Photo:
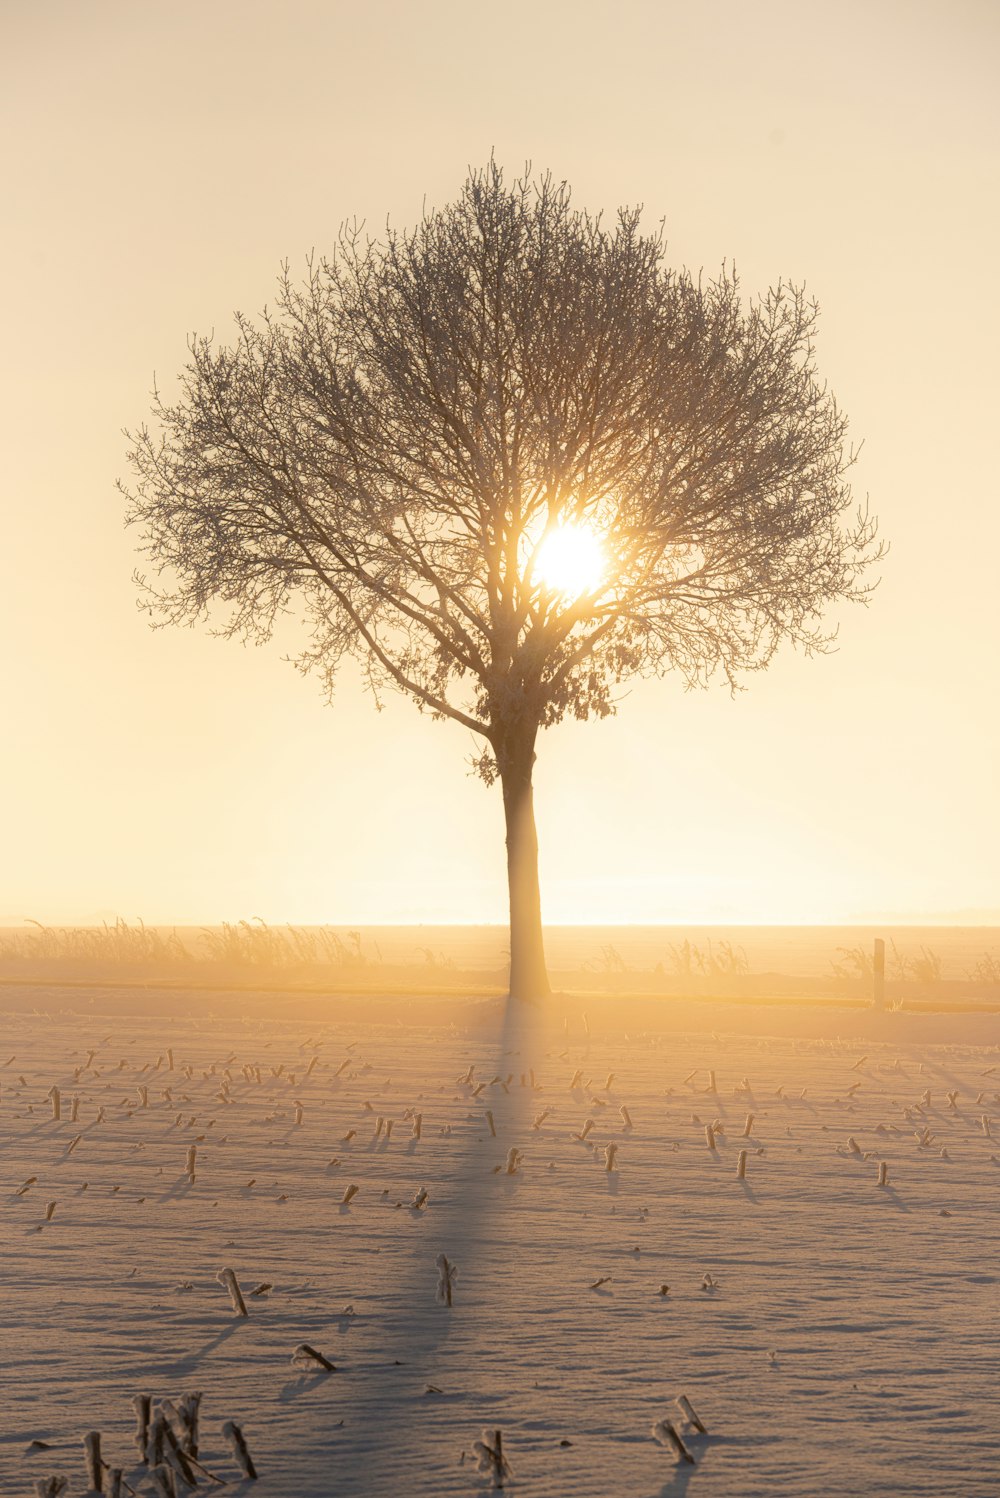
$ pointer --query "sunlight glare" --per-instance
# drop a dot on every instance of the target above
(571, 561)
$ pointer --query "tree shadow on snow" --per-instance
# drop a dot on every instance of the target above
(472, 1218)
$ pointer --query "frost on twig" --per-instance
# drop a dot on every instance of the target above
(488, 1451)
(162, 1478)
(189, 1411)
(514, 1158)
(610, 1151)
(447, 1274)
(304, 1356)
(228, 1278)
(142, 1404)
(155, 1440)
(92, 1459)
(172, 1447)
(664, 1432)
(349, 1194)
(688, 1411)
(234, 1436)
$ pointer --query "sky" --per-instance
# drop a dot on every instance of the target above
(162, 160)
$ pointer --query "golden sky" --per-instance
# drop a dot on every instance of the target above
(162, 159)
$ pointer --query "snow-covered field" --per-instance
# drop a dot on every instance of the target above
(834, 1336)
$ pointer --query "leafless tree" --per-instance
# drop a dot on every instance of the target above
(390, 450)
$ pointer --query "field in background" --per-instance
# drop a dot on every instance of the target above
(946, 964)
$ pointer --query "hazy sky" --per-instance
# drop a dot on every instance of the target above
(162, 159)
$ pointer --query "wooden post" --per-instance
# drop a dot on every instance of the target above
(878, 973)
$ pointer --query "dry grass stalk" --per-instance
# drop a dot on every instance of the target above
(228, 1278)
(664, 1432)
(237, 1442)
(447, 1273)
(688, 1409)
(173, 1449)
(92, 1460)
(142, 1404)
(189, 1411)
(305, 1354)
(488, 1451)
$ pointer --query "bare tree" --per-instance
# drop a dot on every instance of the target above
(507, 460)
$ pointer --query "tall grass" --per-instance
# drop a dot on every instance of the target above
(858, 962)
(715, 960)
(118, 943)
(233, 944)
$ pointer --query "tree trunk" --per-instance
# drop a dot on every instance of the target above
(528, 977)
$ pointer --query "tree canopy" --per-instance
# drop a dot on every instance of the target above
(391, 448)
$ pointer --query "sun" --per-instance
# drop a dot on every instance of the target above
(571, 561)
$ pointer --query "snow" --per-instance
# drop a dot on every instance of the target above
(835, 1337)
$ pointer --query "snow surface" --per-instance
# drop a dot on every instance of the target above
(845, 1340)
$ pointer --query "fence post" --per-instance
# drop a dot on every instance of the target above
(878, 973)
